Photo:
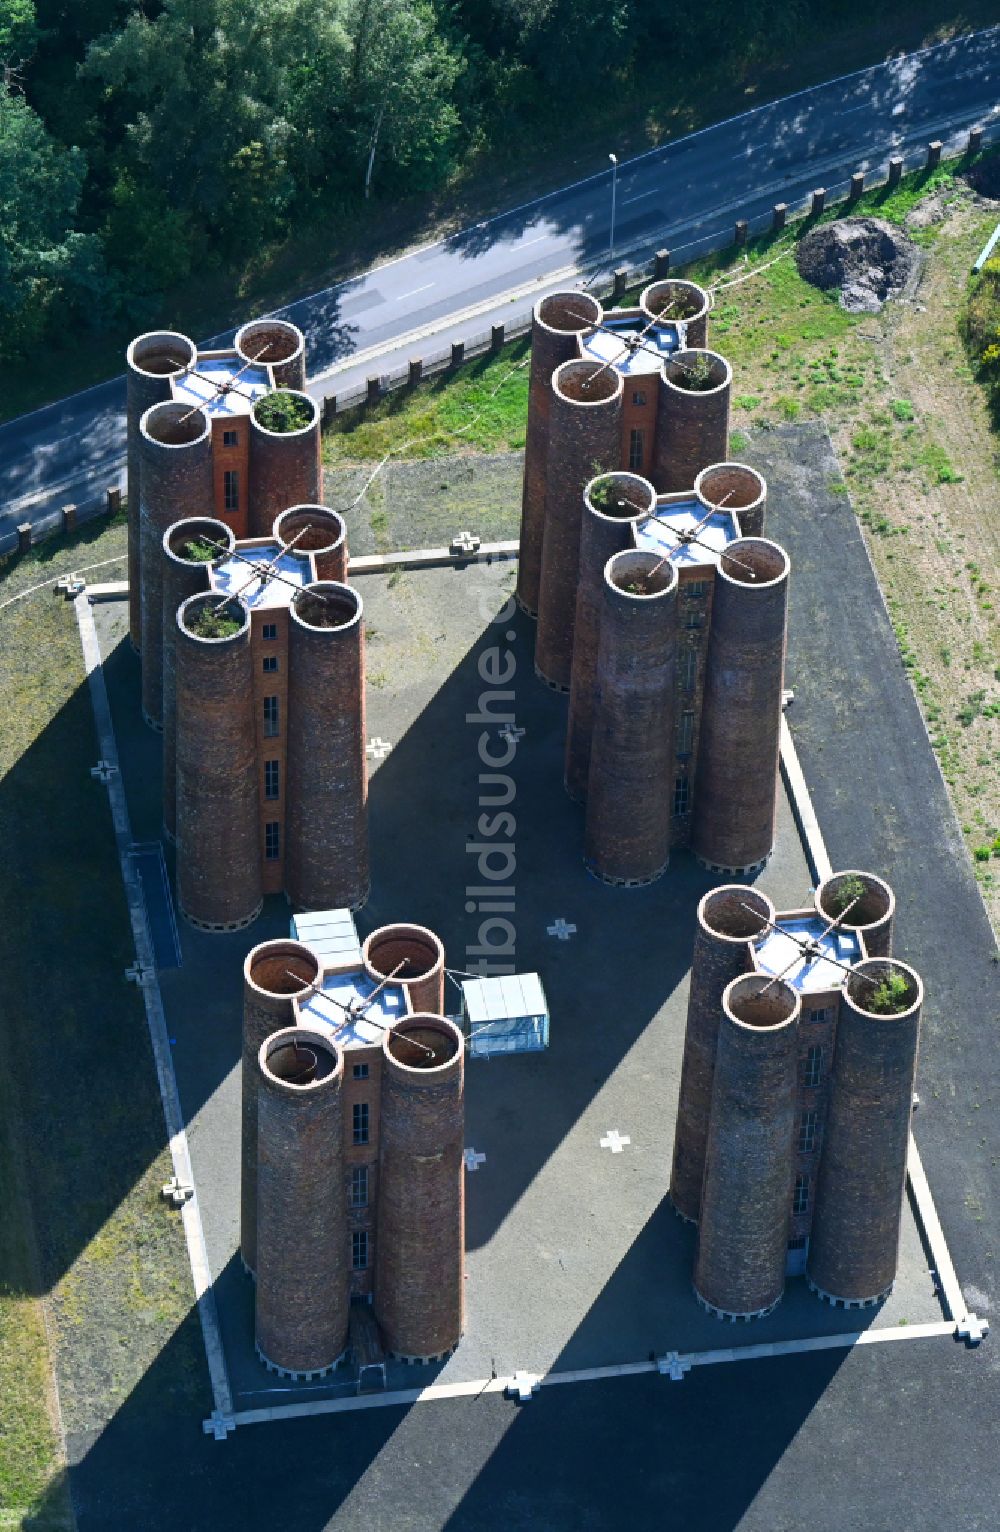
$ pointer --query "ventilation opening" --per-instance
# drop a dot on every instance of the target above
(883, 988)
(285, 972)
(162, 355)
(326, 607)
(312, 531)
(675, 300)
(740, 915)
(760, 1002)
(301, 1061)
(205, 618)
(750, 563)
(422, 1047)
(641, 574)
(418, 956)
(620, 496)
(867, 899)
(730, 487)
(572, 313)
(698, 372)
(268, 343)
(586, 382)
(194, 541)
(175, 425)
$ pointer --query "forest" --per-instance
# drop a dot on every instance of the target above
(140, 142)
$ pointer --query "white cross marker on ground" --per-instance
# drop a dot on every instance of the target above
(615, 1141)
(473, 1159)
(511, 733)
(671, 1366)
(465, 542)
(377, 749)
(562, 930)
(521, 1386)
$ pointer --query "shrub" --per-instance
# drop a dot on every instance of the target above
(283, 411)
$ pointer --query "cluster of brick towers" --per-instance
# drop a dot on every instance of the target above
(251, 641)
(661, 606)
(796, 1091)
(352, 1170)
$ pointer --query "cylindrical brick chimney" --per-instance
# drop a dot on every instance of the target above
(674, 301)
(420, 1237)
(584, 440)
(326, 820)
(874, 906)
(317, 530)
(150, 362)
(303, 1286)
(854, 1243)
(187, 559)
(729, 919)
(627, 838)
(218, 829)
(747, 1192)
(692, 418)
(175, 452)
(422, 955)
(284, 466)
(278, 343)
(734, 487)
(611, 504)
(273, 973)
(737, 773)
(556, 324)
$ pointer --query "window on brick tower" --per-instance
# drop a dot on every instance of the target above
(230, 438)
(359, 1249)
(682, 795)
(685, 734)
(690, 669)
(639, 397)
(270, 630)
(359, 1122)
(272, 779)
(800, 1197)
(270, 717)
(272, 841)
(231, 489)
(269, 664)
(814, 1068)
(807, 1132)
(635, 448)
(359, 1186)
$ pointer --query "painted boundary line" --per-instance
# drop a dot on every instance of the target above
(155, 1020)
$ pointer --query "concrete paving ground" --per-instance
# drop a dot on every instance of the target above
(878, 1437)
(575, 1258)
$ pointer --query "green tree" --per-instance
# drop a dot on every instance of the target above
(45, 263)
(18, 32)
(403, 76)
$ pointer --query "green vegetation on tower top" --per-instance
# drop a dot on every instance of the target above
(283, 411)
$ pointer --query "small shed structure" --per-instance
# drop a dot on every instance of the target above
(507, 1013)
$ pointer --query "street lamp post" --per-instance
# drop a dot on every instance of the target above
(614, 186)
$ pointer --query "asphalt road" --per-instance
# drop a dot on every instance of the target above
(678, 195)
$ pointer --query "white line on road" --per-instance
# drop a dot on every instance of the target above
(537, 239)
(638, 197)
(413, 291)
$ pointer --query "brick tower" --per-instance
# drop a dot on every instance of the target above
(175, 455)
(556, 324)
(627, 838)
(746, 1196)
(855, 1230)
(326, 816)
(302, 1288)
(736, 776)
(151, 361)
(692, 417)
(728, 919)
(185, 573)
(284, 468)
(421, 955)
(420, 1241)
(611, 504)
(273, 974)
(584, 438)
(219, 883)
